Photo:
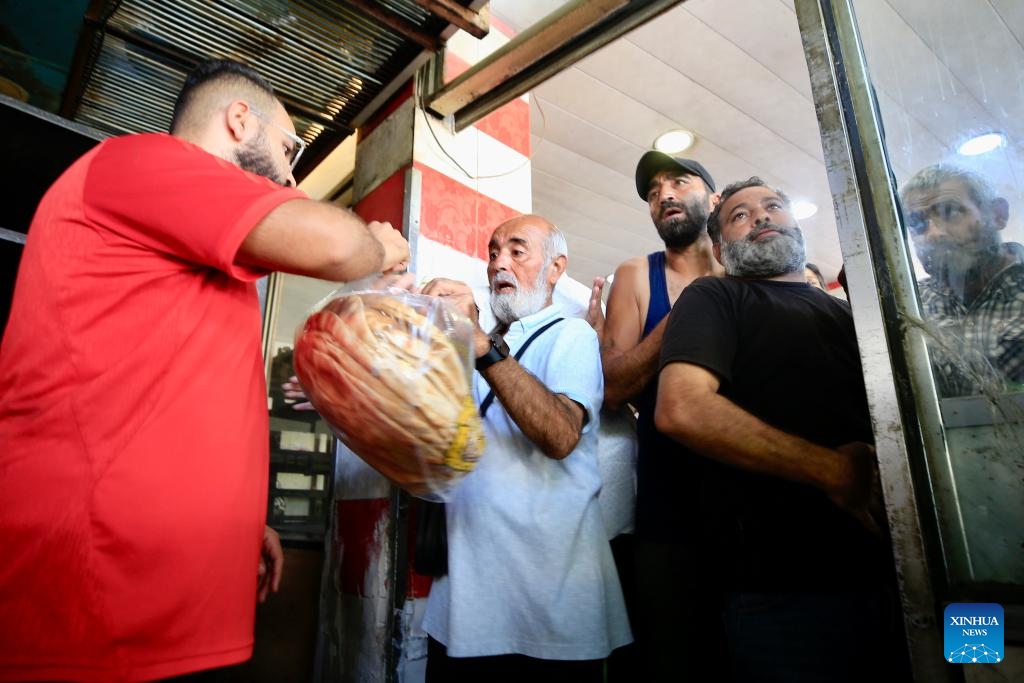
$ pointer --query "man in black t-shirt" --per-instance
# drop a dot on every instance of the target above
(790, 495)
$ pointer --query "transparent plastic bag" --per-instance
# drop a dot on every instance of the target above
(390, 372)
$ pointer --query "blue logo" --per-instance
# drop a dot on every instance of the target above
(974, 633)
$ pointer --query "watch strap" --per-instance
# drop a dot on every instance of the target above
(489, 399)
(494, 354)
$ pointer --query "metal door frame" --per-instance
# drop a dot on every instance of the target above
(897, 373)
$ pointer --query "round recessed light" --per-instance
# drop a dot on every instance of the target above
(980, 144)
(802, 209)
(674, 141)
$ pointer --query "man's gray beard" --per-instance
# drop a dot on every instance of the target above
(254, 157)
(777, 255)
(680, 232)
(947, 261)
(508, 308)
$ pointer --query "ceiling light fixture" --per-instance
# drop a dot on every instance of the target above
(981, 144)
(802, 209)
(674, 141)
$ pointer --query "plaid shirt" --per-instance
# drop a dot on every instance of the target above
(981, 345)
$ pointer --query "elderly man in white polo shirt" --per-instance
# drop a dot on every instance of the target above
(531, 589)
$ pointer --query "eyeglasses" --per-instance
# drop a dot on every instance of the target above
(298, 144)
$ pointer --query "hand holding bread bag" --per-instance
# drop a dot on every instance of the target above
(390, 372)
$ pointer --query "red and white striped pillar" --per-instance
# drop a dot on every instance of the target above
(408, 172)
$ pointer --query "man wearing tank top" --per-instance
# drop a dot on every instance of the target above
(660, 556)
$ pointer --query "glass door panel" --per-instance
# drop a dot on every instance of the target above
(302, 446)
(947, 82)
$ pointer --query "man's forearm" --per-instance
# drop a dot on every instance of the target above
(549, 421)
(315, 239)
(717, 428)
(626, 373)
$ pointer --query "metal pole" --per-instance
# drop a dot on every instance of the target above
(897, 372)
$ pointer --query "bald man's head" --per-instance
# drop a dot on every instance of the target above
(212, 86)
(526, 256)
(554, 241)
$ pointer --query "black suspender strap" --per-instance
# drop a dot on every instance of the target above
(489, 399)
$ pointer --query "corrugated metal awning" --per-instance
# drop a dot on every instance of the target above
(332, 63)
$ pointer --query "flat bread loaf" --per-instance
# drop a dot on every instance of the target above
(394, 387)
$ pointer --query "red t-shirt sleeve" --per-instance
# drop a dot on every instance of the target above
(170, 196)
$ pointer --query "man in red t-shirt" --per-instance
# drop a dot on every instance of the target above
(133, 421)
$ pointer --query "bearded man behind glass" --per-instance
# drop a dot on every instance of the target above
(972, 296)
(790, 500)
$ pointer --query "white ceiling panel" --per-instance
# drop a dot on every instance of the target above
(682, 42)
(767, 31)
(579, 154)
(592, 99)
(979, 49)
(626, 225)
(734, 73)
(1011, 13)
(664, 89)
(898, 56)
(944, 75)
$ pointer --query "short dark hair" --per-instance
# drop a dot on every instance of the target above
(225, 72)
(817, 273)
(714, 226)
(929, 178)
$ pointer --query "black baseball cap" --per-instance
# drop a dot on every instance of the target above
(654, 162)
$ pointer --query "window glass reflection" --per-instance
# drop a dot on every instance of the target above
(973, 294)
(947, 81)
(301, 444)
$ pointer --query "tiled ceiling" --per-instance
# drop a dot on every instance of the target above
(734, 73)
(331, 62)
(731, 71)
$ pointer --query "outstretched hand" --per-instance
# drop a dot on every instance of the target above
(396, 247)
(595, 311)
(271, 565)
(458, 294)
(861, 496)
(294, 391)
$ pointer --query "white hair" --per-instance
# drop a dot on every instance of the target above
(554, 246)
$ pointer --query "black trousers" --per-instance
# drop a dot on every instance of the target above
(678, 616)
(507, 668)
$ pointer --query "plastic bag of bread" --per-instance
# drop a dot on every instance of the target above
(390, 372)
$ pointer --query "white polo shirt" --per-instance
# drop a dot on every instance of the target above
(529, 567)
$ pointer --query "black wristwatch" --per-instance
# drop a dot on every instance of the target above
(497, 352)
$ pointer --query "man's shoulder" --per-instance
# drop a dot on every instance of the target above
(1016, 268)
(135, 141)
(632, 276)
(714, 283)
(1015, 249)
(576, 325)
(553, 319)
(631, 268)
(136, 144)
(713, 290)
(571, 326)
(564, 331)
(142, 153)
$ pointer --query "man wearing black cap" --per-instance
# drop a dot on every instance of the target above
(680, 194)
